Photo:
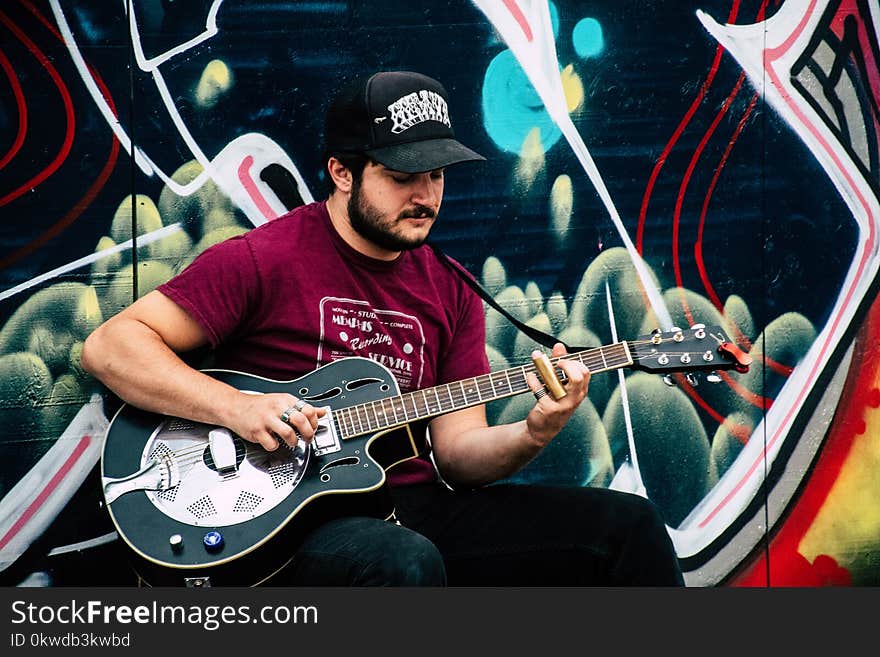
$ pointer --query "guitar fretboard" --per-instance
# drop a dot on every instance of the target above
(429, 402)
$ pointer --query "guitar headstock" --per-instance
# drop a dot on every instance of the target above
(697, 349)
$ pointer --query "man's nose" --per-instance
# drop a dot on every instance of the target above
(426, 191)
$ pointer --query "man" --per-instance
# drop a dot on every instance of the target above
(351, 276)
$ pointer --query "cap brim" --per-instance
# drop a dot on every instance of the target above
(427, 155)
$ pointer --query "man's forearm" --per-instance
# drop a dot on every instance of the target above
(483, 455)
(133, 361)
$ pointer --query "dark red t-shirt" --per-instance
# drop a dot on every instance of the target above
(290, 296)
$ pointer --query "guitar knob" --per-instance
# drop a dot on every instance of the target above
(213, 541)
(692, 379)
(713, 377)
(176, 542)
(668, 380)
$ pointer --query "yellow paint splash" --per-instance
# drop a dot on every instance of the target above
(561, 203)
(848, 524)
(89, 308)
(573, 88)
(531, 159)
(216, 80)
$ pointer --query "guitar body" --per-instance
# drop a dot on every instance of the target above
(264, 505)
(199, 506)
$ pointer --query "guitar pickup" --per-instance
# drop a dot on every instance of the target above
(326, 441)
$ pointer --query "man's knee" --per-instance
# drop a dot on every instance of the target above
(650, 549)
(361, 551)
(408, 560)
(647, 513)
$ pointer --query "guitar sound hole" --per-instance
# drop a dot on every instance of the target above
(348, 460)
(360, 383)
(322, 396)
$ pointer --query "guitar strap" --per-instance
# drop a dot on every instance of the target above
(538, 336)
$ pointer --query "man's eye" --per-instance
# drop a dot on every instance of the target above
(401, 179)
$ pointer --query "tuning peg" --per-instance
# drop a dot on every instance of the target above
(692, 379)
(656, 336)
(699, 331)
(712, 377)
(668, 380)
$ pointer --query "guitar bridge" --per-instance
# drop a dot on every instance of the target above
(326, 440)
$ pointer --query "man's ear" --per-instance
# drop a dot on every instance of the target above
(340, 174)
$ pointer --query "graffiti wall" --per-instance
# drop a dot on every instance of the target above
(650, 165)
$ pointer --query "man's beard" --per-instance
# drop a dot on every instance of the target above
(367, 222)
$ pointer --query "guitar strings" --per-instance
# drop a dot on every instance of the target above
(194, 453)
(594, 359)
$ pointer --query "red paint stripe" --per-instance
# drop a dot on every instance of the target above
(94, 189)
(676, 135)
(680, 198)
(679, 130)
(698, 247)
(688, 176)
(49, 488)
(244, 177)
(22, 110)
(785, 46)
(51, 28)
(520, 18)
(68, 112)
(74, 213)
(688, 389)
(753, 398)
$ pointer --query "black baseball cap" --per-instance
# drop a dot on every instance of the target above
(400, 119)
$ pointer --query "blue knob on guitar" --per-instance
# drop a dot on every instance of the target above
(213, 541)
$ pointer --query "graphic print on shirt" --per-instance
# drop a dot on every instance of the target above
(354, 328)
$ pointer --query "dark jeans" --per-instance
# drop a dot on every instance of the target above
(495, 536)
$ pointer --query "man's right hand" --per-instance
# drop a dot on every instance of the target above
(135, 354)
(258, 418)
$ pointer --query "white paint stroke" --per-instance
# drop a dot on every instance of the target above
(146, 238)
(536, 54)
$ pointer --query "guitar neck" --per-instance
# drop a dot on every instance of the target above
(397, 411)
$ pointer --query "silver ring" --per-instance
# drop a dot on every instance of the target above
(299, 405)
(540, 393)
(285, 416)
